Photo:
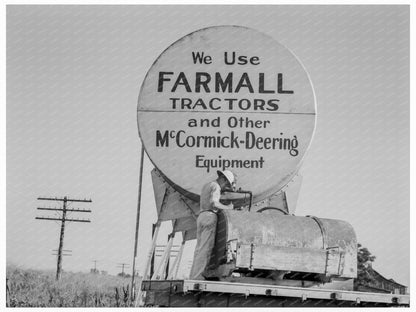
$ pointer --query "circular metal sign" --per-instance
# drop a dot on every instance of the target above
(231, 98)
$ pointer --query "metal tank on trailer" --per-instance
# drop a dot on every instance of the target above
(286, 246)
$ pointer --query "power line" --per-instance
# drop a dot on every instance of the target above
(60, 209)
(63, 219)
(65, 252)
(60, 219)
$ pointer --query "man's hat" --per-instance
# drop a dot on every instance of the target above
(228, 175)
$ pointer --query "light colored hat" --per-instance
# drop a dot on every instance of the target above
(228, 175)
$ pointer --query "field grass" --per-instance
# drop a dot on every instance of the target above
(33, 288)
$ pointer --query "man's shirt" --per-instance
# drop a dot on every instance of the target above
(210, 194)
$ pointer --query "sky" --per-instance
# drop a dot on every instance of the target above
(73, 79)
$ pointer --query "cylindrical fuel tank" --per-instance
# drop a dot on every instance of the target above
(276, 241)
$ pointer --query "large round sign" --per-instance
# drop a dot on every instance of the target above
(231, 98)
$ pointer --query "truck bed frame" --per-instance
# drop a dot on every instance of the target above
(196, 293)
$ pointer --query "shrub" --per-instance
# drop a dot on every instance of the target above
(33, 288)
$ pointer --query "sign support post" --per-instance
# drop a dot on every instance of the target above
(137, 223)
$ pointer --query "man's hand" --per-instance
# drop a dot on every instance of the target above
(220, 205)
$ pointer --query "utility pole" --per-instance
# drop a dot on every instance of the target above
(63, 219)
(122, 265)
(94, 270)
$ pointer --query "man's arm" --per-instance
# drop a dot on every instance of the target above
(215, 198)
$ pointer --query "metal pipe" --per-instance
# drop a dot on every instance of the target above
(136, 236)
(240, 191)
